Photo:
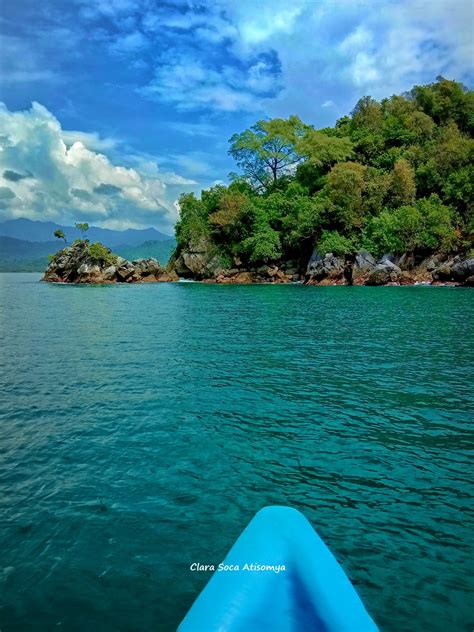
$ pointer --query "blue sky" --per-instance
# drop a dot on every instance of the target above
(135, 100)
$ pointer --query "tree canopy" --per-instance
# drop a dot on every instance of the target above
(395, 176)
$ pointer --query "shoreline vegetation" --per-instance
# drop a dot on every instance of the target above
(385, 197)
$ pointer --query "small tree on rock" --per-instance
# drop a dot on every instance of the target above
(83, 227)
(60, 235)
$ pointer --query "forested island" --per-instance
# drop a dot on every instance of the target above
(384, 196)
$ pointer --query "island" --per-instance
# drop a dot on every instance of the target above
(85, 262)
(385, 197)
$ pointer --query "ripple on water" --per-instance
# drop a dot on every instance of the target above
(142, 426)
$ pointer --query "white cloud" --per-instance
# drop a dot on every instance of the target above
(91, 140)
(129, 44)
(327, 52)
(50, 173)
(189, 83)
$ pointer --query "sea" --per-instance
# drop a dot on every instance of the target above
(142, 426)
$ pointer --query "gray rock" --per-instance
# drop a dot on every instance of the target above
(390, 257)
(109, 273)
(330, 266)
(432, 262)
(195, 262)
(364, 261)
(124, 272)
(406, 262)
(463, 270)
(384, 273)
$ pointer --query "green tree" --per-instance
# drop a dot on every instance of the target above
(268, 150)
(192, 225)
(425, 226)
(402, 186)
(83, 227)
(332, 241)
(60, 235)
(345, 186)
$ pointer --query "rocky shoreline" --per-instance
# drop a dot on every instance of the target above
(359, 269)
(83, 263)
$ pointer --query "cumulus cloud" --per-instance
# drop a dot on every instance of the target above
(43, 177)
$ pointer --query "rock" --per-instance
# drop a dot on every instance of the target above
(456, 270)
(195, 262)
(390, 257)
(87, 273)
(462, 270)
(469, 282)
(124, 273)
(384, 273)
(167, 277)
(147, 267)
(109, 273)
(330, 267)
(315, 257)
(364, 261)
(442, 272)
(243, 277)
(81, 263)
(432, 262)
(406, 262)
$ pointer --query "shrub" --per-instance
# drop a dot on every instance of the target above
(332, 241)
(100, 254)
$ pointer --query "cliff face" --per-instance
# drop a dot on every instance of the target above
(361, 268)
(83, 262)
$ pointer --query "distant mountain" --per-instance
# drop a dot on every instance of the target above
(18, 255)
(160, 250)
(35, 231)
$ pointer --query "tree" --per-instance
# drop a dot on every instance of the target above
(344, 188)
(332, 241)
(192, 226)
(83, 227)
(323, 150)
(60, 235)
(268, 150)
(402, 188)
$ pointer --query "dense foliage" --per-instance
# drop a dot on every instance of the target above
(394, 176)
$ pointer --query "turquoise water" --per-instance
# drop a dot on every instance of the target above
(142, 426)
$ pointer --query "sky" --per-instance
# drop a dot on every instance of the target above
(110, 109)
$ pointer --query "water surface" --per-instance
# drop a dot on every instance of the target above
(142, 426)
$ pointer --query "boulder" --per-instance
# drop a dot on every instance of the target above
(432, 262)
(87, 273)
(243, 277)
(167, 277)
(124, 272)
(462, 270)
(109, 273)
(457, 270)
(364, 261)
(384, 273)
(407, 261)
(195, 262)
(330, 267)
(390, 257)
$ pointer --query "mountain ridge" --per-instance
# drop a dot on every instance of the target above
(37, 231)
(19, 255)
